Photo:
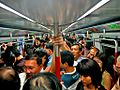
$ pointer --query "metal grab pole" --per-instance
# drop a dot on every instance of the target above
(11, 36)
(57, 56)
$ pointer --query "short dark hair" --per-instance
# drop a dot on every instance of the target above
(41, 53)
(43, 81)
(34, 57)
(37, 38)
(80, 46)
(49, 46)
(67, 56)
(9, 79)
(90, 68)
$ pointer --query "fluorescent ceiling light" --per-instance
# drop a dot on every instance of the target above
(98, 5)
(101, 3)
(19, 14)
(15, 12)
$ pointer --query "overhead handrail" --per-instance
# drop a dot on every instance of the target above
(116, 51)
(116, 47)
(14, 40)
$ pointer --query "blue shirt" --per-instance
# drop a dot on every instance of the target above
(50, 60)
(70, 78)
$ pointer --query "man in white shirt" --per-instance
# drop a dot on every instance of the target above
(32, 65)
(76, 50)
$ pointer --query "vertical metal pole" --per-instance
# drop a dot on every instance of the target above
(10, 36)
(28, 35)
(87, 34)
(116, 51)
(56, 32)
(57, 56)
(104, 31)
(94, 42)
(115, 55)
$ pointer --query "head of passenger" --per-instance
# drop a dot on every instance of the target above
(43, 55)
(82, 42)
(67, 59)
(93, 52)
(100, 63)
(32, 65)
(90, 73)
(76, 49)
(49, 48)
(42, 43)
(117, 66)
(9, 79)
(37, 42)
(19, 62)
(43, 81)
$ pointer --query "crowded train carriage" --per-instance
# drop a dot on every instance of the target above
(59, 45)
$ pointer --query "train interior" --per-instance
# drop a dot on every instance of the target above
(99, 20)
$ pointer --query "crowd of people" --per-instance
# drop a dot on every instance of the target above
(81, 67)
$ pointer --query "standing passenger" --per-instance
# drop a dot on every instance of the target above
(93, 52)
(76, 50)
(91, 75)
(49, 50)
(117, 69)
(106, 77)
(32, 65)
(71, 76)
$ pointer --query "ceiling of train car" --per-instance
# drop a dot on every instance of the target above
(52, 12)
